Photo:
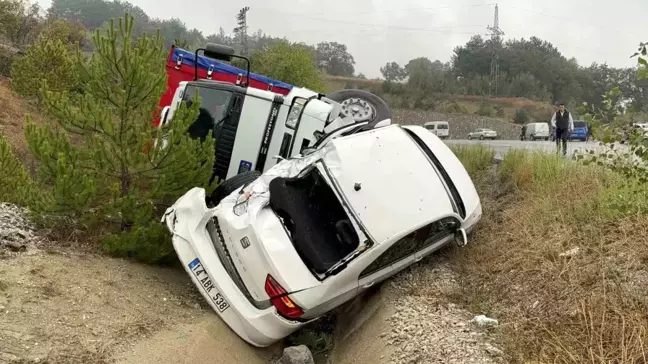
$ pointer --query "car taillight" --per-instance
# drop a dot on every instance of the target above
(281, 301)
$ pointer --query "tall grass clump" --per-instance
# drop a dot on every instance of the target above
(474, 158)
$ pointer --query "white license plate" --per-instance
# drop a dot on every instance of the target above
(207, 285)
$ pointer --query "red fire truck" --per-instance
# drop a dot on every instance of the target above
(181, 66)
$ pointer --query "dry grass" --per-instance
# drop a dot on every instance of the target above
(13, 111)
(564, 274)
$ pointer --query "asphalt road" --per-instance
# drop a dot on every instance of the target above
(501, 147)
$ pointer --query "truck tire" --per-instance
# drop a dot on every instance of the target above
(365, 105)
(232, 184)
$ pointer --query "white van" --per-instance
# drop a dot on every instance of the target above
(535, 131)
(440, 128)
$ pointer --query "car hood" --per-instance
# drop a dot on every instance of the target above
(387, 181)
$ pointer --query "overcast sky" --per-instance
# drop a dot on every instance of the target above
(380, 31)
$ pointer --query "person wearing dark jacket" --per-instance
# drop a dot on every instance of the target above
(563, 124)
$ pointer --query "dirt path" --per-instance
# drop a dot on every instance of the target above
(79, 308)
(206, 337)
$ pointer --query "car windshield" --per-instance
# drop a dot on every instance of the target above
(579, 124)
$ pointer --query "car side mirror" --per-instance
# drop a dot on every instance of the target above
(164, 115)
(461, 238)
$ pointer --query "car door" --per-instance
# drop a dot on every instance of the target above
(399, 254)
(436, 235)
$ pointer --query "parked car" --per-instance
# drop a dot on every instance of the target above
(535, 131)
(482, 134)
(438, 128)
(285, 247)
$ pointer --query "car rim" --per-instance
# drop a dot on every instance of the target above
(358, 109)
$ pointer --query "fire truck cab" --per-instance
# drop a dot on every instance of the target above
(254, 128)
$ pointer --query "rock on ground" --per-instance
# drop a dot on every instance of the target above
(17, 234)
(297, 355)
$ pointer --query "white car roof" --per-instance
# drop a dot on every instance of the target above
(400, 190)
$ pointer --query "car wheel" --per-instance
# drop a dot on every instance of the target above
(481, 137)
(232, 184)
(469, 137)
(362, 106)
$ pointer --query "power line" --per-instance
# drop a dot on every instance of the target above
(393, 27)
(556, 17)
(418, 8)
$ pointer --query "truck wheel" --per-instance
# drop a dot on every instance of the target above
(469, 137)
(232, 184)
(362, 105)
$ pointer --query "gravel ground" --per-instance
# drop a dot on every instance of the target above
(412, 319)
(428, 328)
(460, 124)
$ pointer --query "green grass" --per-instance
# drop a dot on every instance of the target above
(474, 158)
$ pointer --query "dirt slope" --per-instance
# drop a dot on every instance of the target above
(81, 308)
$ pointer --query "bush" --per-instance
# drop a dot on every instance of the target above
(7, 57)
(484, 109)
(521, 116)
(105, 181)
(46, 63)
(291, 63)
(15, 183)
(452, 107)
(499, 111)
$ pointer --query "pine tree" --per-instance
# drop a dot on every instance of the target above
(46, 62)
(97, 165)
(15, 184)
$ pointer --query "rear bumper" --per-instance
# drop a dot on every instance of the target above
(187, 219)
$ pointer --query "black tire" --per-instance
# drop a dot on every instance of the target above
(382, 110)
(232, 184)
(481, 137)
(469, 137)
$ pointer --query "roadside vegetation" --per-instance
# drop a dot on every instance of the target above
(560, 260)
(560, 256)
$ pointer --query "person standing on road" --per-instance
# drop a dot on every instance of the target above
(563, 125)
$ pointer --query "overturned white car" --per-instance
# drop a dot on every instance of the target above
(314, 231)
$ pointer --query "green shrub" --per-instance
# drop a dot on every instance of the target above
(485, 109)
(521, 116)
(46, 63)
(15, 184)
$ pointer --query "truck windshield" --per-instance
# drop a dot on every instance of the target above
(213, 108)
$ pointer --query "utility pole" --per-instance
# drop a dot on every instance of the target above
(496, 39)
(241, 29)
